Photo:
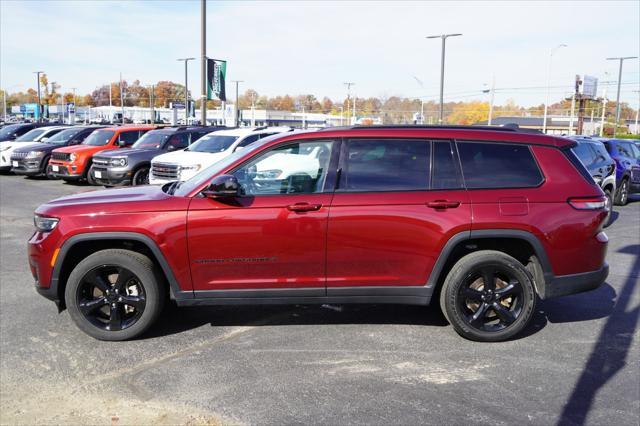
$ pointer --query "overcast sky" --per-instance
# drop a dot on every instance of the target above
(313, 47)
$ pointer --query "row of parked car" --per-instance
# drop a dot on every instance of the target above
(123, 155)
(136, 155)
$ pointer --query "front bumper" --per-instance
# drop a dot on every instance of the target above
(110, 176)
(65, 172)
(28, 167)
(565, 285)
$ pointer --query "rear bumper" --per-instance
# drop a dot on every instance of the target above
(565, 285)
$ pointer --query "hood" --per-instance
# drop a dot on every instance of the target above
(190, 157)
(83, 148)
(15, 144)
(35, 146)
(126, 152)
(135, 199)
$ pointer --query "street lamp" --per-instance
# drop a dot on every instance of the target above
(443, 37)
(546, 104)
(186, 89)
(621, 59)
(237, 120)
(349, 84)
(421, 99)
(39, 100)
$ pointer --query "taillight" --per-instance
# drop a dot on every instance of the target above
(588, 203)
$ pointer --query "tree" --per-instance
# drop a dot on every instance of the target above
(467, 113)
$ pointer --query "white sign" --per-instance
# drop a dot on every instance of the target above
(589, 86)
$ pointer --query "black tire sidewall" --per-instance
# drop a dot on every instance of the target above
(137, 173)
(142, 267)
(609, 195)
(455, 279)
(618, 199)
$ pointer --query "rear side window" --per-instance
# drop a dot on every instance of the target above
(498, 165)
(386, 165)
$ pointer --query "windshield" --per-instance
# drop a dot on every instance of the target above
(152, 140)
(9, 130)
(212, 143)
(99, 138)
(31, 135)
(63, 136)
(204, 175)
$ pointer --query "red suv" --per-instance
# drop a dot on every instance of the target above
(485, 220)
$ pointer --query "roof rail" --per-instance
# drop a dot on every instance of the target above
(506, 128)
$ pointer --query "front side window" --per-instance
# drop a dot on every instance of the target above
(99, 138)
(129, 138)
(498, 165)
(152, 140)
(386, 165)
(297, 168)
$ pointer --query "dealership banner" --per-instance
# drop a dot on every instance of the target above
(216, 78)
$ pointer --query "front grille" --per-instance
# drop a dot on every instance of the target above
(18, 155)
(100, 162)
(62, 156)
(165, 171)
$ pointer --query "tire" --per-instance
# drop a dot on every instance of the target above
(140, 177)
(90, 179)
(609, 195)
(48, 172)
(622, 193)
(478, 312)
(95, 287)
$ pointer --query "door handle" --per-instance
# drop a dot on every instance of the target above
(304, 207)
(443, 204)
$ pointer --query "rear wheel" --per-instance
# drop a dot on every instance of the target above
(622, 193)
(488, 296)
(140, 177)
(609, 206)
(114, 294)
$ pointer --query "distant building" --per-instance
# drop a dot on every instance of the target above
(556, 125)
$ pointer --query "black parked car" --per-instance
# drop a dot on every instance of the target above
(33, 160)
(12, 131)
(130, 166)
(602, 168)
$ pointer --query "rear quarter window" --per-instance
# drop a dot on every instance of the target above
(498, 165)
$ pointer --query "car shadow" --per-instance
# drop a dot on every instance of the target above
(614, 216)
(609, 353)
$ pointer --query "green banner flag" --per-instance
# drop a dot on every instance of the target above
(216, 79)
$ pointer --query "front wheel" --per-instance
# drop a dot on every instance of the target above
(609, 207)
(114, 294)
(622, 193)
(140, 177)
(488, 296)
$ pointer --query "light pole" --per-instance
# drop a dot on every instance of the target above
(421, 100)
(203, 64)
(443, 37)
(186, 88)
(546, 104)
(237, 120)
(75, 107)
(39, 99)
(348, 84)
(621, 60)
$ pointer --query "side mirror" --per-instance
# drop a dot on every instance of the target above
(171, 148)
(121, 143)
(223, 186)
(43, 139)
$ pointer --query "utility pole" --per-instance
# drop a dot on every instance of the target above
(237, 107)
(122, 98)
(443, 37)
(491, 91)
(546, 104)
(604, 107)
(348, 84)
(621, 60)
(39, 98)
(152, 103)
(573, 109)
(203, 64)
(186, 88)
(110, 105)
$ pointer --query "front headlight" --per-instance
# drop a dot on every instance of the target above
(45, 224)
(73, 156)
(118, 162)
(35, 154)
(194, 167)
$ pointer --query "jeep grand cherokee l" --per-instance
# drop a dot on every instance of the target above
(381, 215)
(131, 165)
(72, 163)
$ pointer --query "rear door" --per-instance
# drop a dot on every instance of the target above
(397, 203)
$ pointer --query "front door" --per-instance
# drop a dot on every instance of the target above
(396, 205)
(274, 236)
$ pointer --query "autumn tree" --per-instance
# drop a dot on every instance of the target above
(467, 113)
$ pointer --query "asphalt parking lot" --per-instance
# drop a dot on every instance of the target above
(579, 361)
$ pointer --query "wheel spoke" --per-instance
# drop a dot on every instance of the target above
(137, 302)
(512, 287)
(124, 275)
(505, 315)
(469, 293)
(489, 279)
(115, 317)
(478, 316)
(89, 306)
(99, 281)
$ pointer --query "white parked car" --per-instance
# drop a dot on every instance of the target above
(209, 149)
(37, 135)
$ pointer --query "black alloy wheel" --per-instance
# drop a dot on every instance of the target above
(141, 177)
(111, 297)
